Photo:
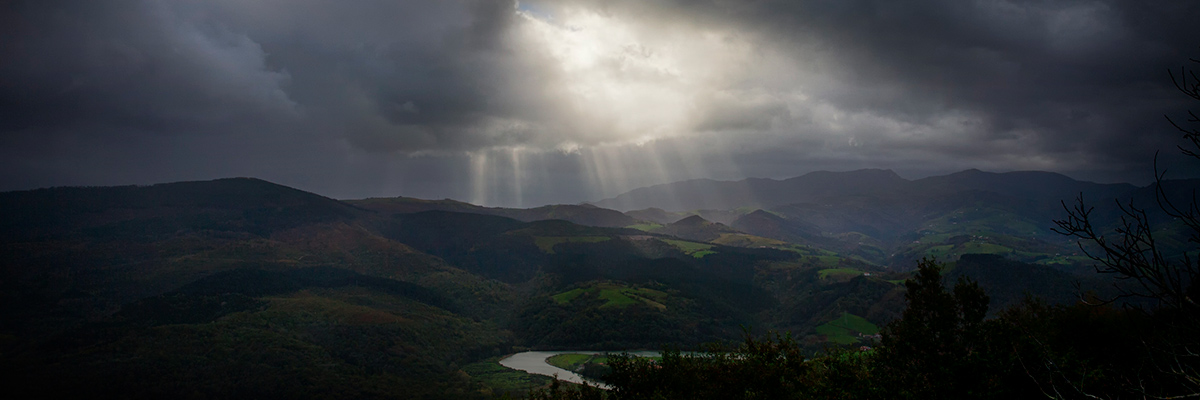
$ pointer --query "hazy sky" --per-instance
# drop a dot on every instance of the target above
(536, 102)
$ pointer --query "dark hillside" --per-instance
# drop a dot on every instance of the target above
(303, 341)
(656, 215)
(150, 292)
(147, 212)
(1008, 282)
(584, 214)
(688, 195)
(863, 182)
(696, 228)
(256, 283)
(766, 224)
(1022, 184)
(443, 233)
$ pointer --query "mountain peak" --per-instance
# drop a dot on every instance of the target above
(694, 220)
(760, 213)
(866, 173)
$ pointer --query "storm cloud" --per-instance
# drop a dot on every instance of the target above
(527, 103)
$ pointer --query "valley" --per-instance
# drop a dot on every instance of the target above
(241, 287)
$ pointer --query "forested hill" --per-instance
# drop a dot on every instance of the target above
(237, 204)
(150, 291)
(583, 214)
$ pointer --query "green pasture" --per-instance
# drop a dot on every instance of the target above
(844, 329)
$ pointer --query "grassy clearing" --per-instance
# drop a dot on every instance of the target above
(688, 247)
(568, 296)
(698, 250)
(1059, 259)
(937, 237)
(836, 334)
(547, 243)
(751, 241)
(828, 261)
(572, 362)
(648, 227)
(845, 329)
(981, 220)
(649, 293)
(983, 248)
(838, 272)
(651, 297)
(502, 379)
(940, 252)
(616, 296)
(952, 252)
(744, 240)
(569, 361)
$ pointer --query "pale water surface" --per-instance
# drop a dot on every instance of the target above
(534, 362)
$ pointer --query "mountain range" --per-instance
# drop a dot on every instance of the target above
(825, 187)
(143, 291)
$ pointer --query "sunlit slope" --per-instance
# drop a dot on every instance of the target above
(847, 329)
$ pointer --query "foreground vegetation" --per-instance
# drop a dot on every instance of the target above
(943, 347)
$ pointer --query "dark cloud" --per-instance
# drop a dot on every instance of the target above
(577, 99)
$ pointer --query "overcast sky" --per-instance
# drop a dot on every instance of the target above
(522, 104)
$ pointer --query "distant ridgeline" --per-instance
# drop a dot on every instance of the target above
(244, 288)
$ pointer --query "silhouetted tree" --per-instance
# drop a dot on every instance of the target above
(937, 349)
(1132, 254)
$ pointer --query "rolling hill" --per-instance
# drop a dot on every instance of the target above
(149, 289)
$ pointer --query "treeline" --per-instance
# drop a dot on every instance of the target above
(943, 347)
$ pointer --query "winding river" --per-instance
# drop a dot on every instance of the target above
(534, 362)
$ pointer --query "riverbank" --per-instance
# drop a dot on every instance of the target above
(534, 362)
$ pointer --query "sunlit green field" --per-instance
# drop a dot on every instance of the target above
(844, 330)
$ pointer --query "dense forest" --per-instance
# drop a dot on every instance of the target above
(943, 347)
